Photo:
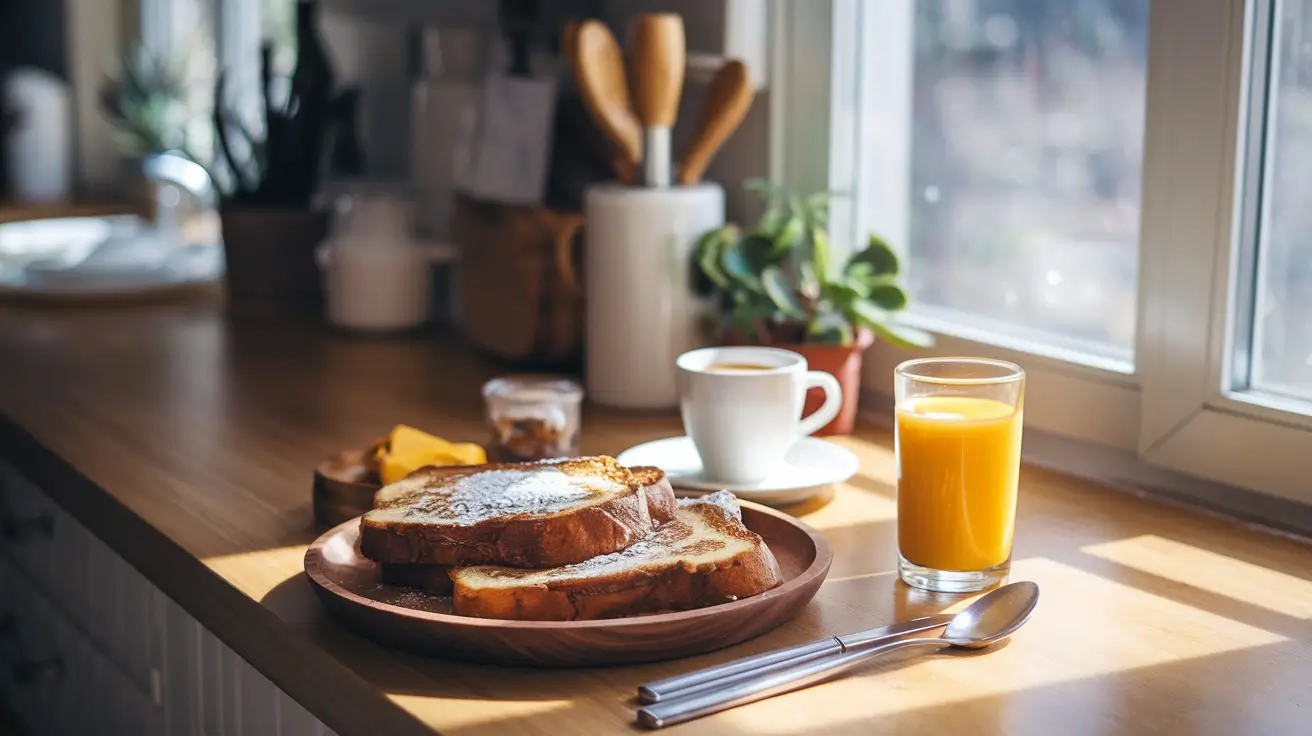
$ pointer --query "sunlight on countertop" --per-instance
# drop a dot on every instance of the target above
(1066, 641)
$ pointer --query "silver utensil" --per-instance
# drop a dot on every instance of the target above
(991, 618)
(684, 685)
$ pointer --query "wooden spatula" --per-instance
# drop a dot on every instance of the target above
(598, 66)
(659, 55)
(727, 102)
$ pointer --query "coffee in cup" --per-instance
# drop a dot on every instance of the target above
(742, 408)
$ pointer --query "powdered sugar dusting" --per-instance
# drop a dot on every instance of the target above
(726, 501)
(475, 498)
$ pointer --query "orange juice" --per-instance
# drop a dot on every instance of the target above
(958, 459)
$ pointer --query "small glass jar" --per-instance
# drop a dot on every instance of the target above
(532, 417)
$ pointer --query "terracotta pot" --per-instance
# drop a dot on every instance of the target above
(841, 362)
(270, 259)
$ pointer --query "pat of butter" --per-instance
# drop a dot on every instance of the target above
(408, 449)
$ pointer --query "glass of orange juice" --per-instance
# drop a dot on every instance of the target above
(958, 460)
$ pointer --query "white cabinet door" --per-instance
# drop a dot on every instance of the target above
(99, 592)
(58, 680)
(104, 651)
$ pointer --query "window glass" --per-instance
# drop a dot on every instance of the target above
(1026, 160)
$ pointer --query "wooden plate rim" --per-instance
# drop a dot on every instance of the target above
(819, 567)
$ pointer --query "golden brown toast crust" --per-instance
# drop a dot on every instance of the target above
(660, 494)
(604, 522)
(674, 582)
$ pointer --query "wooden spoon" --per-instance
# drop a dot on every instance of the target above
(598, 67)
(659, 56)
(727, 102)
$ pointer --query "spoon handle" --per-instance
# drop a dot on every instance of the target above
(766, 685)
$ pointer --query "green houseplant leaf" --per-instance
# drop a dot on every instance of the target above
(707, 258)
(887, 294)
(902, 336)
(840, 333)
(779, 284)
(820, 251)
(781, 292)
(878, 256)
(788, 236)
(744, 259)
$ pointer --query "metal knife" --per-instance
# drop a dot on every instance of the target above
(693, 682)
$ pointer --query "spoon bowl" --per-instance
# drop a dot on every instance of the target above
(996, 615)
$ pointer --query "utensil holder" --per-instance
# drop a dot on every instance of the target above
(641, 309)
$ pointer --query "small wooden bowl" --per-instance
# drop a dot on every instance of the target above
(343, 488)
(351, 588)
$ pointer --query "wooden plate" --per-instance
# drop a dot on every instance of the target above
(350, 588)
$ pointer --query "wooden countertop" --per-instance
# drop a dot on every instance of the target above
(187, 442)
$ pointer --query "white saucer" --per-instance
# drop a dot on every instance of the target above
(811, 464)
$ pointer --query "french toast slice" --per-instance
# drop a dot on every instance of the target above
(703, 557)
(660, 494)
(539, 514)
(434, 580)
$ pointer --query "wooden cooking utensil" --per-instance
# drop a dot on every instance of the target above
(598, 66)
(727, 102)
(659, 55)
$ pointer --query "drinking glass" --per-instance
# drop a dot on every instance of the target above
(958, 458)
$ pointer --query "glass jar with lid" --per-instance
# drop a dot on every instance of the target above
(532, 417)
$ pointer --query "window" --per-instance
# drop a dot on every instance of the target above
(203, 36)
(1275, 331)
(1109, 192)
(1026, 132)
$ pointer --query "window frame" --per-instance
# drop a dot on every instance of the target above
(1174, 410)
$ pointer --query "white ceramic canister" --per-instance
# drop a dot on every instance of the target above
(377, 277)
(39, 142)
(641, 311)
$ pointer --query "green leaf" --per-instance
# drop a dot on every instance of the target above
(820, 252)
(788, 236)
(772, 194)
(841, 294)
(857, 285)
(878, 256)
(902, 336)
(867, 313)
(807, 283)
(832, 334)
(743, 262)
(707, 256)
(888, 295)
(781, 293)
(749, 312)
(764, 187)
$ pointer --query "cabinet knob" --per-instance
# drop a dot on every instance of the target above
(41, 526)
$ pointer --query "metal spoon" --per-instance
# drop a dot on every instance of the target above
(993, 617)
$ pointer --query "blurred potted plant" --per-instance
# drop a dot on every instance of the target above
(270, 226)
(776, 284)
(146, 103)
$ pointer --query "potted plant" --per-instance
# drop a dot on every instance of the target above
(270, 227)
(777, 284)
(145, 101)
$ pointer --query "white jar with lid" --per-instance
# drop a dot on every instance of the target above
(377, 276)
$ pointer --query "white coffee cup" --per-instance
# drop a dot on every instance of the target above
(743, 420)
